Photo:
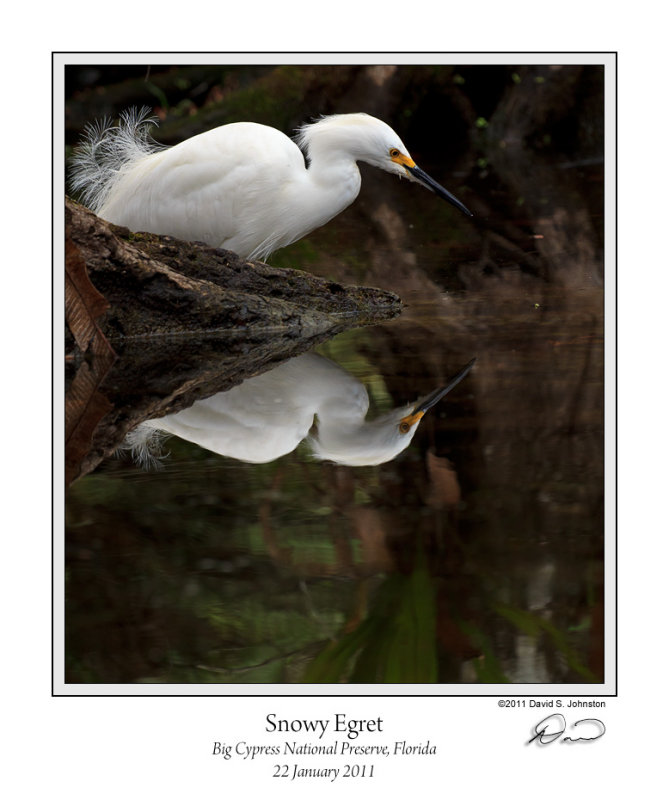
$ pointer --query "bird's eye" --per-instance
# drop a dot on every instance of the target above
(394, 152)
(405, 427)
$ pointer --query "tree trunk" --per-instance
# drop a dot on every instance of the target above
(154, 323)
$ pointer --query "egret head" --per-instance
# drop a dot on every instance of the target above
(371, 140)
(361, 443)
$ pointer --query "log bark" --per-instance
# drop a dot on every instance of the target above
(154, 323)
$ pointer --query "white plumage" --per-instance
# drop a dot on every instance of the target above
(242, 186)
(267, 416)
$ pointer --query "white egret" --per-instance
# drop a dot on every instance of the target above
(241, 186)
(267, 416)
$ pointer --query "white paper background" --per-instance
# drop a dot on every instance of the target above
(83, 747)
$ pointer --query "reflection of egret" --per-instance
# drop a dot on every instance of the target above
(267, 416)
(241, 186)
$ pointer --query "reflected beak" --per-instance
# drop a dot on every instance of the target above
(433, 398)
(426, 180)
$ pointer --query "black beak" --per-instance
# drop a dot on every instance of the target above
(426, 180)
(433, 398)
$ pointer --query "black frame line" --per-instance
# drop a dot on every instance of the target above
(508, 694)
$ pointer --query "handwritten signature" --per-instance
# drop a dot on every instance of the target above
(553, 727)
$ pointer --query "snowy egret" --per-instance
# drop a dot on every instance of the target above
(242, 186)
(267, 416)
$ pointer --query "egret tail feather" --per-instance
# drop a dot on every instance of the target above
(107, 150)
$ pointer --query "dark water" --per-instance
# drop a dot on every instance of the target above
(476, 555)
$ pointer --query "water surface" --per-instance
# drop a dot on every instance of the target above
(474, 556)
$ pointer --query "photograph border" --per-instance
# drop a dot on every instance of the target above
(609, 688)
